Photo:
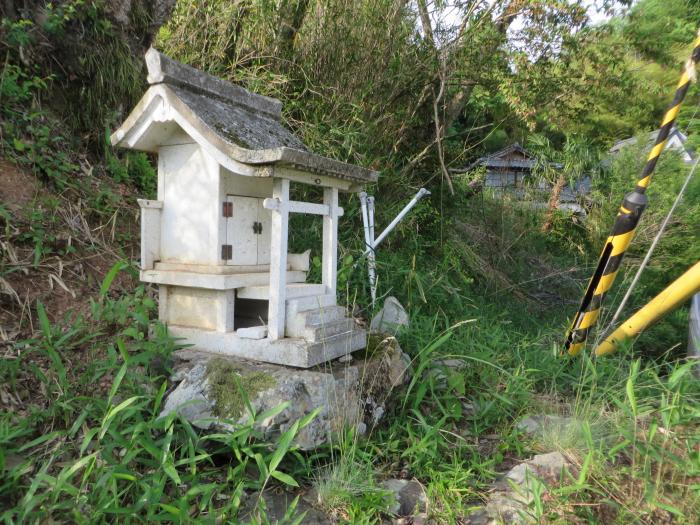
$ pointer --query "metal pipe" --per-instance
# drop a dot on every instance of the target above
(626, 222)
(654, 243)
(368, 243)
(371, 259)
(678, 292)
(418, 196)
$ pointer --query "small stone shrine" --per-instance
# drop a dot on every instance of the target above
(215, 239)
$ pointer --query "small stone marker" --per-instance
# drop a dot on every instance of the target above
(390, 318)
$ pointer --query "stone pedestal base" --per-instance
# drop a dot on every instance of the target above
(292, 351)
(211, 391)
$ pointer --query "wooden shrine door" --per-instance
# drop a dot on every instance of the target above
(248, 231)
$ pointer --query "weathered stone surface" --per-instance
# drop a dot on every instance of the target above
(390, 318)
(208, 392)
(277, 504)
(454, 364)
(512, 494)
(544, 423)
(162, 68)
(409, 497)
(556, 431)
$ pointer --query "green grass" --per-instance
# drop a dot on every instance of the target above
(86, 443)
(81, 440)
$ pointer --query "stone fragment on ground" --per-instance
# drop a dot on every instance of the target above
(252, 332)
(208, 392)
(409, 497)
(277, 504)
(390, 319)
(511, 495)
(419, 519)
(453, 363)
(553, 431)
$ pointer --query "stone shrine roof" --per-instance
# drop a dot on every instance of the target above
(239, 125)
(242, 125)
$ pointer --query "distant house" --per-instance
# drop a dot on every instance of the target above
(511, 169)
(506, 168)
(676, 141)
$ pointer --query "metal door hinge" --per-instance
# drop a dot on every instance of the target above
(227, 209)
(226, 252)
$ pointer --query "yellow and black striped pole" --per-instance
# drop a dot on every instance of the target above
(674, 295)
(626, 222)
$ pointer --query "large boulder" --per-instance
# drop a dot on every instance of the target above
(213, 391)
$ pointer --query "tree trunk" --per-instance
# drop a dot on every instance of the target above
(553, 203)
(455, 106)
(292, 14)
(426, 23)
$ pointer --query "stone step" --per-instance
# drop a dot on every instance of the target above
(320, 331)
(338, 345)
(294, 290)
(322, 315)
(302, 304)
(297, 322)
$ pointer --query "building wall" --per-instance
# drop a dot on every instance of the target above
(233, 184)
(504, 179)
(188, 186)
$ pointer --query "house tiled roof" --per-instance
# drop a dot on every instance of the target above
(651, 139)
(495, 160)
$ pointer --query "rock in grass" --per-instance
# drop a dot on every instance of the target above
(511, 495)
(390, 318)
(275, 505)
(540, 424)
(556, 432)
(216, 392)
(409, 497)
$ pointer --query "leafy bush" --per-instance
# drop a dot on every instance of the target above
(134, 170)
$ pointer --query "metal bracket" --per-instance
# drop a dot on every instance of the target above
(226, 252)
(367, 206)
(227, 209)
